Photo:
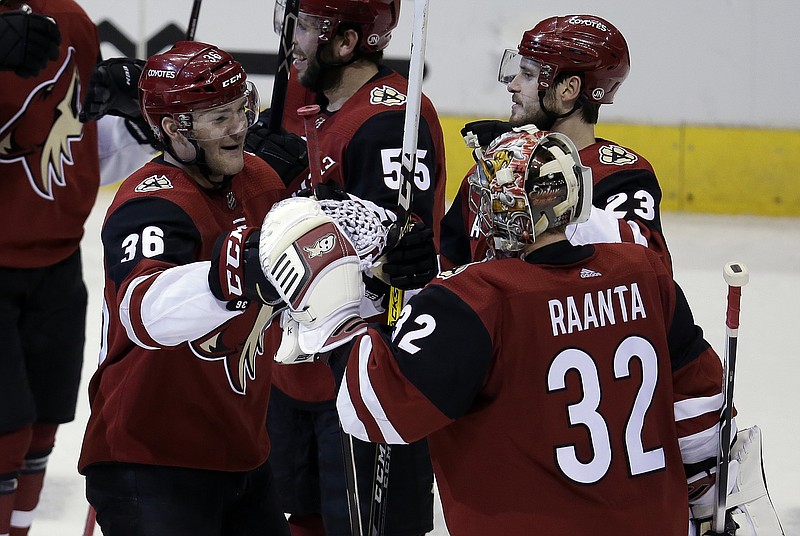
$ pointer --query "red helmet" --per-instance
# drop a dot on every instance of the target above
(579, 43)
(190, 76)
(376, 18)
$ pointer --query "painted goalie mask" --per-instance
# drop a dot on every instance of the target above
(528, 181)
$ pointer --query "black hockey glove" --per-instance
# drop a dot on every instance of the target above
(285, 152)
(326, 190)
(411, 262)
(27, 42)
(113, 90)
(235, 275)
(484, 130)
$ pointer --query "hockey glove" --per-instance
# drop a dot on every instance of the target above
(316, 270)
(410, 261)
(285, 152)
(235, 275)
(481, 133)
(27, 42)
(113, 90)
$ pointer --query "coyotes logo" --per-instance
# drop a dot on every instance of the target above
(386, 95)
(40, 134)
(239, 359)
(616, 155)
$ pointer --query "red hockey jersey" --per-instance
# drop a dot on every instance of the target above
(360, 146)
(183, 381)
(49, 170)
(560, 396)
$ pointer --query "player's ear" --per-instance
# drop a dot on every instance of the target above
(178, 143)
(349, 43)
(569, 90)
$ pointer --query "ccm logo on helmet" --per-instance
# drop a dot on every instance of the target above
(232, 80)
(588, 22)
(160, 73)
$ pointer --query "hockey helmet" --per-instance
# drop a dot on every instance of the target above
(375, 18)
(573, 44)
(189, 81)
(528, 181)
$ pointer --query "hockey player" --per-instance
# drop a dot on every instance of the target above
(563, 389)
(50, 169)
(564, 69)
(176, 442)
(338, 49)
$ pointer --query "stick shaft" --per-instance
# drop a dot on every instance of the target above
(282, 70)
(192, 28)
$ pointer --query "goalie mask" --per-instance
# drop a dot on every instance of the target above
(202, 88)
(527, 182)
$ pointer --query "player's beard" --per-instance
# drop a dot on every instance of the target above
(534, 115)
(320, 76)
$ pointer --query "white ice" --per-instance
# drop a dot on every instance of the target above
(768, 365)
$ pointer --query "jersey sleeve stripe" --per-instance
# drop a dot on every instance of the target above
(348, 415)
(130, 313)
(694, 407)
(370, 398)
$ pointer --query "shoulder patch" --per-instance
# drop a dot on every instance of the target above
(153, 183)
(386, 95)
(447, 274)
(616, 155)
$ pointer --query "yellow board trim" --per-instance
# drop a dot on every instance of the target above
(719, 170)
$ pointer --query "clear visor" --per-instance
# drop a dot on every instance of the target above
(305, 22)
(221, 121)
(513, 64)
(278, 15)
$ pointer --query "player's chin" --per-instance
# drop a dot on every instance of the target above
(230, 162)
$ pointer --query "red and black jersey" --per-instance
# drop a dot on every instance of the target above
(49, 170)
(559, 395)
(625, 189)
(183, 381)
(360, 146)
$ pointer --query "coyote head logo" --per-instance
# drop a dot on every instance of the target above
(40, 134)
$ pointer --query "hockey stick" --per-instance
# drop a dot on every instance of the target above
(192, 28)
(88, 527)
(383, 452)
(309, 115)
(281, 82)
(736, 276)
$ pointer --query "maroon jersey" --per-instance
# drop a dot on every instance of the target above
(560, 395)
(625, 188)
(360, 146)
(49, 171)
(170, 347)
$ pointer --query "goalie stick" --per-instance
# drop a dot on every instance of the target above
(383, 452)
(281, 81)
(736, 276)
(192, 28)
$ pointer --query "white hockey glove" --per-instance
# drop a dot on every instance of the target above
(749, 502)
(316, 270)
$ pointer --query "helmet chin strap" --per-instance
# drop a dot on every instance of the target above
(199, 161)
(552, 117)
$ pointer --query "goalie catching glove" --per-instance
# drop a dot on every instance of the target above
(316, 270)
(235, 275)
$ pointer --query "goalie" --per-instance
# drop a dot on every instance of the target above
(563, 389)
